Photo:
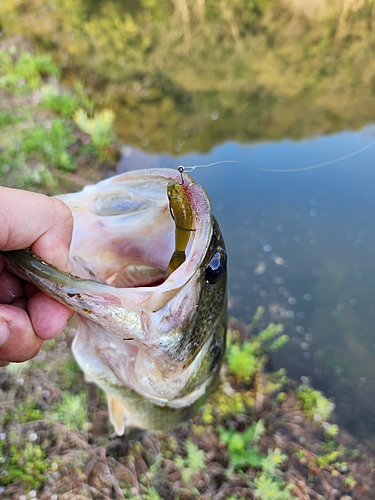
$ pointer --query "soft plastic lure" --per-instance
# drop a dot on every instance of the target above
(183, 216)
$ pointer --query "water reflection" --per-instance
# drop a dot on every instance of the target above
(303, 244)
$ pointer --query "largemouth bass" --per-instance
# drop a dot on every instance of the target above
(153, 341)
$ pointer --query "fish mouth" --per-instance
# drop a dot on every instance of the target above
(122, 241)
(131, 229)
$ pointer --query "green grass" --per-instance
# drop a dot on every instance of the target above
(242, 446)
(26, 73)
(72, 411)
(49, 129)
(24, 465)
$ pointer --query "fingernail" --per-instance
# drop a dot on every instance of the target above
(4, 332)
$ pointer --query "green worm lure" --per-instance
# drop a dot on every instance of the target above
(183, 216)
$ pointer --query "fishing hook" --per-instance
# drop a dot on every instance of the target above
(181, 170)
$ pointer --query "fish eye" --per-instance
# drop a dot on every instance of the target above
(216, 267)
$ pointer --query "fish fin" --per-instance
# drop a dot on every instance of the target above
(117, 414)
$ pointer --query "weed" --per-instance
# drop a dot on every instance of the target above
(241, 445)
(7, 119)
(99, 127)
(258, 315)
(350, 481)
(25, 412)
(316, 407)
(50, 140)
(71, 373)
(267, 488)
(72, 411)
(193, 462)
(24, 465)
(34, 140)
(327, 459)
(64, 104)
(247, 359)
(151, 494)
(26, 73)
(242, 360)
(269, 484)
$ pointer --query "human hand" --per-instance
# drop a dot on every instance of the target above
(28, 317)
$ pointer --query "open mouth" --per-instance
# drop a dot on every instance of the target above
(137, 275)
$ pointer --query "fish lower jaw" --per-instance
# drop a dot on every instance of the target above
(140, 414)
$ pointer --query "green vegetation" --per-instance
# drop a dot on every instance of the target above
(245, 359)
(224, 70)
(269, 484)
(242, 445)
(56, 437)
(72, 411)
(192, 463)
(45, 129)
(26, 73)
(317, 407)
(22, 465)
(99, 127)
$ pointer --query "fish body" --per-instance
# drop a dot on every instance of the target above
(154, 343)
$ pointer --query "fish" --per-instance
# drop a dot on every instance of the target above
(150, 333)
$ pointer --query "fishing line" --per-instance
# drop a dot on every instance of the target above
(190, 168)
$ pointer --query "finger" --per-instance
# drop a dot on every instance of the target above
(11, 287)
(18, 341)
(32, 219)
(48, 317)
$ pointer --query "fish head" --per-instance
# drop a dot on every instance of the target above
(153, 344)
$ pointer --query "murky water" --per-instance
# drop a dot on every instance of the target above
(303, 244)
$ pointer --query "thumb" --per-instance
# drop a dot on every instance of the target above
(38, 221)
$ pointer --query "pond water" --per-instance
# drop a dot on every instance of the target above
(275, 84)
